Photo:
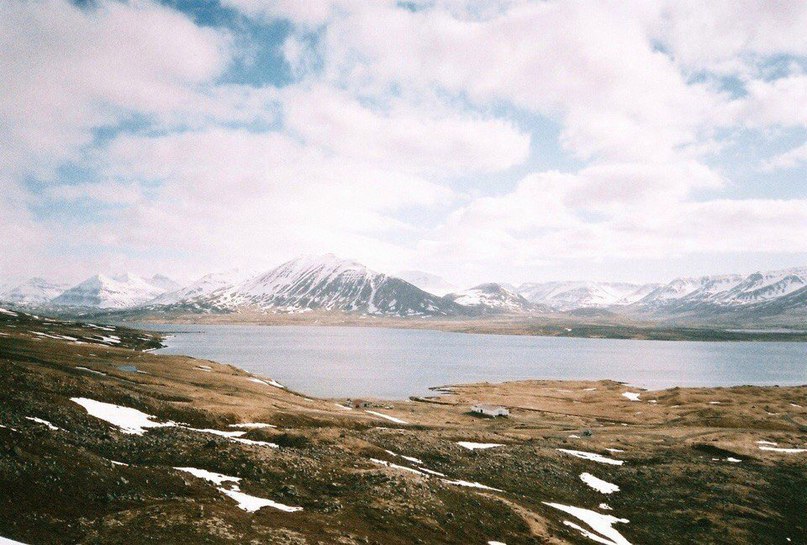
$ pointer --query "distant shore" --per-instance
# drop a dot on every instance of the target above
(545, 326)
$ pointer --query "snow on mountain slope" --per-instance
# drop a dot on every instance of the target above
(727, 290)
(573, 294)
(329, 283)
(760, 287)
(492, 298)
(102, 291)
(163, 282)
(36, 291)
(702, 288)
(717, 295)
(204, 286)
(428, 282)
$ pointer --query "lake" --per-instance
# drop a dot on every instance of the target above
(396, 363)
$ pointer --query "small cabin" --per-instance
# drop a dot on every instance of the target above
(359, 403)
(490, 410)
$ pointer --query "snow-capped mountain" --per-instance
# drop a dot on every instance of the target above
(328, 283)
(36, 291)
(693, 289)
(163, 282)
(106, 292)
(725, 293)
(428, 282)
(574, 295)
(492, 298)
(202, 287)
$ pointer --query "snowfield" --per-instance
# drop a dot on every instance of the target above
(598, 484)
(473, 446)
(592, 456)
(129, 420)
(602, 525)
(228, 486)
(387, 417)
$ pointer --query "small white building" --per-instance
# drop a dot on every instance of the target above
(490, 410)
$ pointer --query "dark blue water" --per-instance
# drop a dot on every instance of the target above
(396, 363)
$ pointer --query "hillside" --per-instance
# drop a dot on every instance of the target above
(101, 442)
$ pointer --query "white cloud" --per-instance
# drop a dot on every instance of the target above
(544, 219)
(68, 70)
(403, 136)
(232, 196)
(775, 102)
(790, 159)
(730, 36)
(589, 63)
(393, 115)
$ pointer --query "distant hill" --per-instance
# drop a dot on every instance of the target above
(105, 292)
(493, 298)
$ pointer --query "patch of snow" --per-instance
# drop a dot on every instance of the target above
(473, 446)
(213, 477)
(116, 463)
(783, 450)
(101, 327)
(253, 503)
(605, 507)
(387, 417)
(614, 450)
(496, 543)
(602, 525)
(270, 382)
(714, 403)
(129, 420)
(432, 472)
(8, 312)
(733, 460)
(598, 484)
(470, 484)
(396, 466)
(633, 396)
(245, 501)
(253, 425)
(42, 421)
(767, 443)
(592, 456)
(228, 434)
(255, 443)
(90, 370)
(409, 458)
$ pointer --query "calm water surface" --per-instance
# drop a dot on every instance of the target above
(396, 363)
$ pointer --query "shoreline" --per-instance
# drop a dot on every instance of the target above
(534, 326)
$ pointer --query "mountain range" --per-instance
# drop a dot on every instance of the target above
(328, 283)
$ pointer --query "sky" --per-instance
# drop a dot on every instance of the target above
(479, 140)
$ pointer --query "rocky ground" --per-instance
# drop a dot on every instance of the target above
(691, 465)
